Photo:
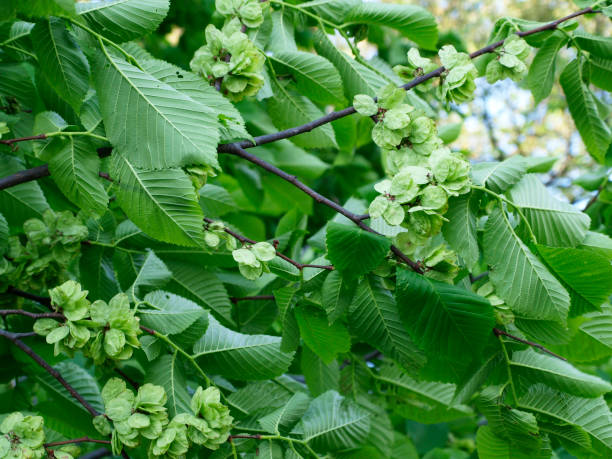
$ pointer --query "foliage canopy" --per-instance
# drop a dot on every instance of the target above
(257, 244)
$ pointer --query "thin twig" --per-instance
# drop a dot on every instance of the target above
(76, 440)
(44, 300)
(499, 332)
(14, 338)
(23, 139)
(246, 240)
(33, 315)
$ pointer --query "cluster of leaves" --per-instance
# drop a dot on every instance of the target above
(41, 256)
(441, 287)
(101, 330)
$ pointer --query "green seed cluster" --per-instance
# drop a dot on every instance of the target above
(208, 425)
(510, 60)
(458, 81)
(22, 437)
(249, 12)
(41, 257)
(101, 330)
(132, 415)
(129, 417)
(230, 60)
(214, 235)
(252, 259)
(423, 174)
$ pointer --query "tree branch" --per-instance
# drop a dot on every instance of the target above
(14, 338)
(235, 149)
(499, 332)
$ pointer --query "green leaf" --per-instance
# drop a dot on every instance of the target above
(282, 36)
(426, 402)
(354, 251)
(588, 274)
(45, 8)
(61, 61)
(231, 124)
(288, 109)
(553, 222)
(168, 372)
(74, 167)
(285, 299)
(599, 243)
(443, 319)
(460, 230)
(23, 201)
(333, 422)
(193, 282)
(327, 341)
(541, 74)
(153, 274)
(411, 21)
(238, 356)
(498, 176)
(123, 20)
(540, 368)
(491, 446)
(357, 78)
(450, 132)
(318, 376)
(287, 416)
(169, 314)
(583, 108)
(336, 295)
(574, 439)
(375, 319)
(4, 234)
(600, 71)
(516, 426)
(315, 75)
(162, 203)
(216, 201)
(594, 44)
(591, 414)
(593, 339)
(97, 275)
(159, 126)
(520, 278)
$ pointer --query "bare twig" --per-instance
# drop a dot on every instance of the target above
(33, 315)
(14, 338)
(499, 332)
(76, 440)
(23, 139)
(44, 300)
